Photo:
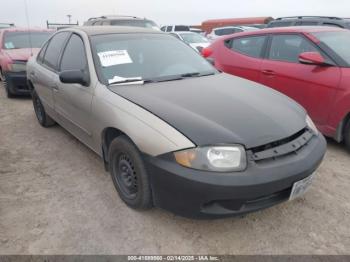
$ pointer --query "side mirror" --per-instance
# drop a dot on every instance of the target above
(74, 77)
(312, 58)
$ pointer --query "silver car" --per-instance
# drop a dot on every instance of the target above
(173, 131)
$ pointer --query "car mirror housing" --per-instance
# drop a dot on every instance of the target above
(312, 58)
(74, 77)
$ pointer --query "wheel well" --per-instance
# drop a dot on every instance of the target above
(345, 123)
(339, 136)
(108, 135)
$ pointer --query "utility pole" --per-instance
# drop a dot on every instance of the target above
(69, 18)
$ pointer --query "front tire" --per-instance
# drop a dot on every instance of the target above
(43, 118)
(129, 174)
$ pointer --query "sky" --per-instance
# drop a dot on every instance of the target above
(164, 11)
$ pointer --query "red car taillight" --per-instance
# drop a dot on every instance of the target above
(206, 52)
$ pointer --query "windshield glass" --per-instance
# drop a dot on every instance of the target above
(193, 38)
(145, 56)
(15, 40)
(135, 23)
(338, 41)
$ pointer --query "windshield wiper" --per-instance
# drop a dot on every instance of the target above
(197, 74)
(193, 74)
(117, 80)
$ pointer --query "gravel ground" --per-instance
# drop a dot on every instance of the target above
(56, 198)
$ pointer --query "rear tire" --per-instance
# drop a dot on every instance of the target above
(43, 118)
(347, 135)
(129, 174)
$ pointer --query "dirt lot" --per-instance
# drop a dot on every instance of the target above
(56, 198)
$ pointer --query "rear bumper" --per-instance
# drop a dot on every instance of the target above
(201, 194)
(17, 83)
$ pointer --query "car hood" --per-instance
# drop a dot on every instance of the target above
(220, 109)
(22, 54)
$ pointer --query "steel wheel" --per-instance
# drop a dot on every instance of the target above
(125, 175)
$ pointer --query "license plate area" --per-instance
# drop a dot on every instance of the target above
(300, 187)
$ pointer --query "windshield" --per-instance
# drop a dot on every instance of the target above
(338, 41)
(16, 40)
(149, 57)
(193, 38)
(135, 23)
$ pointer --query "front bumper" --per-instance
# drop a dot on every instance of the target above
(202, 194)
(17, 83)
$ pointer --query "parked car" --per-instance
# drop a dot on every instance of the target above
(310, 21)
(6, 25)
(209, 25)
(173, 131)
(194, 40)
(118, 20)
(16, 46)
(309, 64)
(175, 28)
(228, 30)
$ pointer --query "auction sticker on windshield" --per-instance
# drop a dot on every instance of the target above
(115, 57)
(300, 187)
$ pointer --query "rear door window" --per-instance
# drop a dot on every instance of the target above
(182, 28)
(288, 47)
(224, 31)
(280, 24)
(307, 23)
(251, 46)
(54, 49)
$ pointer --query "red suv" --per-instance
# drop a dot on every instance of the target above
(16, 46)
(309, 64)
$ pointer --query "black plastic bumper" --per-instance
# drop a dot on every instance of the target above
(201, 194)
(17, 83)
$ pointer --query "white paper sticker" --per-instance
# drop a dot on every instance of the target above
(115, 57)
(9, 45)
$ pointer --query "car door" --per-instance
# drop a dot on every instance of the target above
(314, 87)
(242, 56)
(43, 75)
(73, 101)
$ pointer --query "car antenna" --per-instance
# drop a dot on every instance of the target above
(28, 25)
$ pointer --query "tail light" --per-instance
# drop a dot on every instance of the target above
(206, 52)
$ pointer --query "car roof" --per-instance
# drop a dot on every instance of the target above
(184, 32)
(291, 29)
(26, 29)
(103, 30)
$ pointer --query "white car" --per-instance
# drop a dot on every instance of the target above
(228, 30)
(194, 40)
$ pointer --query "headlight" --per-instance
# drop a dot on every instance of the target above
(216, 158)
(311, 125)
(18, 67)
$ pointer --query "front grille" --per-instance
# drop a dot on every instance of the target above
(283, 147)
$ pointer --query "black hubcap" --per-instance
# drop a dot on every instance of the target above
(125, 175)
(38, 109)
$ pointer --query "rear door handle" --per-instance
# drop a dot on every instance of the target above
(268, 72)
